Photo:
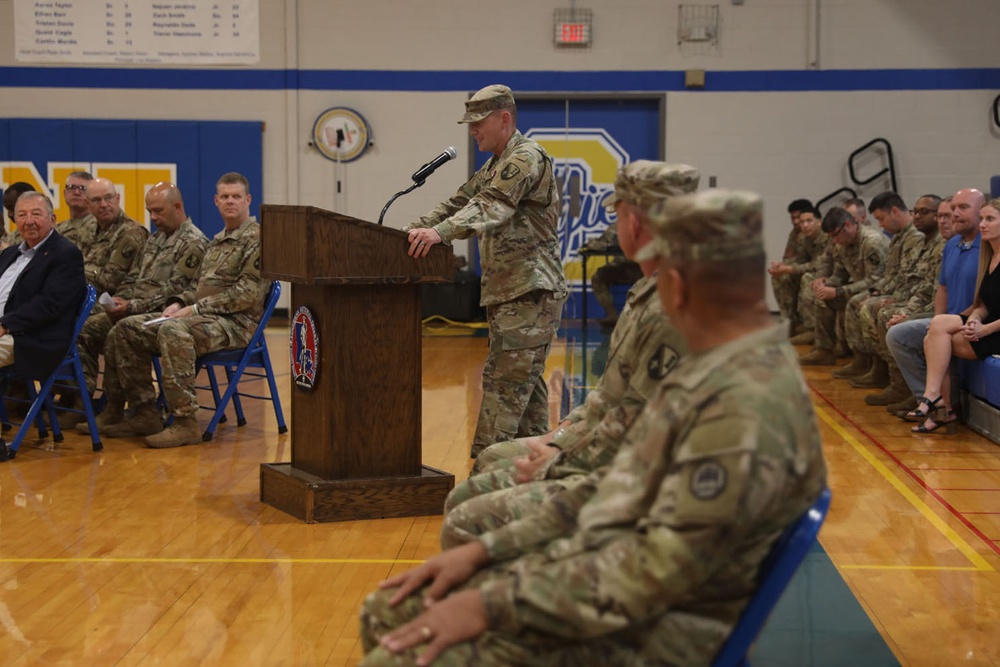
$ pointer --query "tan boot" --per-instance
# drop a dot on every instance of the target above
(114, 413)
(145, 420)
(876, 378)
(804, 338)
(860, 364)
(901, 408)
(896, 391)
(818, 357)
(68, 419)
(184, 431)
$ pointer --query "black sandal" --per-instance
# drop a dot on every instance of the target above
(949, 422)
(916, 415)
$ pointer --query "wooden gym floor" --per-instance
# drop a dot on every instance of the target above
(136, 556)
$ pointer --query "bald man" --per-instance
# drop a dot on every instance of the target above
(168, 265)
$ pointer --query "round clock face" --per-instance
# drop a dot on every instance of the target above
(341, 134)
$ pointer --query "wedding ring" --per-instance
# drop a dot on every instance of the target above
(426, 633)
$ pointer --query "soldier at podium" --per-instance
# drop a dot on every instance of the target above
(512, 205)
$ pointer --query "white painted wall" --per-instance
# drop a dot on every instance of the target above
(782, 144)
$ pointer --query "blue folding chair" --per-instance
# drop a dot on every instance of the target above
(235, 363)
(70, 370)
(776, 571)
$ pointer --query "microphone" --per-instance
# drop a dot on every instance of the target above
(420, 175)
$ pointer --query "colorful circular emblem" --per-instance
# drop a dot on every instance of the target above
(304, 346)
(341, 134)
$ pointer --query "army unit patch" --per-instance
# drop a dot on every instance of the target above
(708, 480)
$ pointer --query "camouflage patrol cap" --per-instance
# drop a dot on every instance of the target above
(645, 182)
(486, 101)
(712, 225)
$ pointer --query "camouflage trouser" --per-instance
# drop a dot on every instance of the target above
(528, 647)
(826, 321)
(499, 455)
(806, 302)
(515, 398)
(490, 509)
(90, 346)
(620, 272)
(786, 292)
(128, 358)
(859, 321)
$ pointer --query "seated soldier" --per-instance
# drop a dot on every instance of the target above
(221, 312)
(645, 347)
(10, 195)
(168, 265)
(618, 271)
(655, 556)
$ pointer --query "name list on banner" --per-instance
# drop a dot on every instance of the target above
(140, 32)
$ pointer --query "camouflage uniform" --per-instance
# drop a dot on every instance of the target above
(918, 302)
(80, 231)
(859, 317)
(787, 286)
(168, 265)
(855, 269)
(644, 349)
(652, 559)
(512, 206)
(229, 297)
(618, 271)
(113, 253)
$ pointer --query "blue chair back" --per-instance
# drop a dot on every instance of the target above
(776, 571)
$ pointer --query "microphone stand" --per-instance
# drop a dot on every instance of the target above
(397, 196)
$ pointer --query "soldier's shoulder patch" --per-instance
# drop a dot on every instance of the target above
(708, 480)
(129, 251)
(662, 362)
(510, 171)
(875, 257)
(192, 261)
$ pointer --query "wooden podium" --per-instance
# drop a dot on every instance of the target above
(355, 436)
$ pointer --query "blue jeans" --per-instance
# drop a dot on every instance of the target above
(906, 343)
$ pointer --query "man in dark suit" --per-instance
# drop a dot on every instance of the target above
(41, 287)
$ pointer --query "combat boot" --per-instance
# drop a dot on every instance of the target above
(144, 420)
(184, 431)
(896, 391)
(114, 413)
(860, 364)
(73, 413)
(901, 408)
(818, 357)
(876, 378)
(807, 337)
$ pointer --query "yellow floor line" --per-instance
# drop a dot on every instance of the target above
(236, 561)
(979, 563)
(934, 568)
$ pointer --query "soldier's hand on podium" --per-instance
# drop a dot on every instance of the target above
(421, 241)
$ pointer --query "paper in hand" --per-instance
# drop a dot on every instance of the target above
(155, 320)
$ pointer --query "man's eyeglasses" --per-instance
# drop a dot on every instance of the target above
(76, 188)
(835, 233)
(923, 211)
(106, 198)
